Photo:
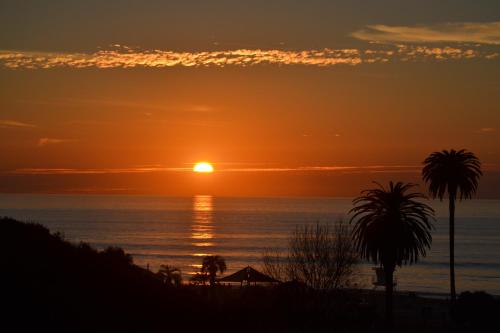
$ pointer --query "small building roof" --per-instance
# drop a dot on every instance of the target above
(248, 274)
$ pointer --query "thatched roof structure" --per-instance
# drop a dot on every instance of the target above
(248, 275)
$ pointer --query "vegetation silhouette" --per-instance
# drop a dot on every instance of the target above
(199, 279)
(322, 257)
(56, 284)
(477, 311)
(457, 174)
(171, 276)
(50, 284)
(211, 265)
(391, 228)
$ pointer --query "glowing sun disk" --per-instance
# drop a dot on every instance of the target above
(203, 167)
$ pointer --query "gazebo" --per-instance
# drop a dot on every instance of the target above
(248, 275)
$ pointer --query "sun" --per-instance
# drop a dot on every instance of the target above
(203, 167)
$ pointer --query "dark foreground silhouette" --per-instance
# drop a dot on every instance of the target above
(50, 284)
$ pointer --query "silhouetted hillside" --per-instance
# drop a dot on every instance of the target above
(49, 282)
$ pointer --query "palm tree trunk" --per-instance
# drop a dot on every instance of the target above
(389, 287)
(452, 249)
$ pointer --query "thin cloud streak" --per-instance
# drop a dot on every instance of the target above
(97, 171)
(50, 141)
(124, 57)
(4, 123)
(462, 32)
(151, 169)
(350, 169)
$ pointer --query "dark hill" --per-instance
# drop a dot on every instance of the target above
(48, 282)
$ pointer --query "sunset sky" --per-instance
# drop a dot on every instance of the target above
(313, 98)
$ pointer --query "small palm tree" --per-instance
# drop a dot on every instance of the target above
(212, 264)
(170, 275)
(199, 278)
(391, 228)
(457, 174)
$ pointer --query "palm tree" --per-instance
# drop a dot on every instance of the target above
(456, 173)
(391, 228)
(212, 264)
(199, 278)
(170, 275)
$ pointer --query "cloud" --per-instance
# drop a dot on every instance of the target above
(354, 169)
(14, 124)
(331, 168)
(464, 32)
(95, 171)
(199, 108)
(49, 141)
(96, 189)
(124, 57)
(158, 168)
(421, 52)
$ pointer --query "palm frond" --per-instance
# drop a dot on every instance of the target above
(454, 172)
(391, 225)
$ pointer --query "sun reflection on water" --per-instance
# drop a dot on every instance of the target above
(202, 228)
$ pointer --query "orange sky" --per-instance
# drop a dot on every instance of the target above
(376, 110)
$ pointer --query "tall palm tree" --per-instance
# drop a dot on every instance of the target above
(391, 228)
(212, 264)
(170, 275)
(457, 174)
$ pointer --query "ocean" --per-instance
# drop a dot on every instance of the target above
(159, 230)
